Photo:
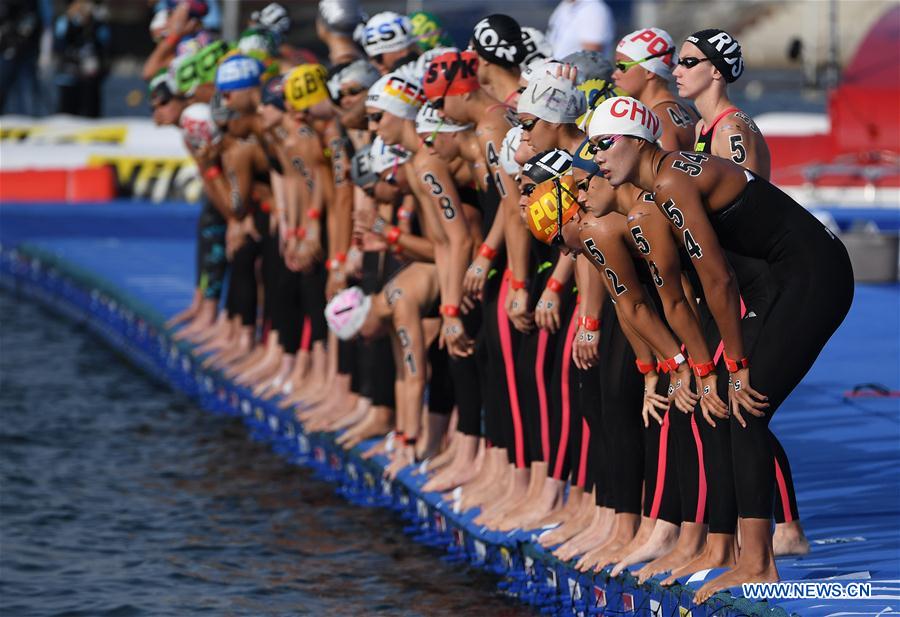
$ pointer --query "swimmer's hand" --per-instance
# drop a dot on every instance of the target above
(517, 310)
(680, 389)
(546, 313)
(652, 400)
(476, 275)
(710, 403)
(741, 395)
(586, 348)
(453, 337)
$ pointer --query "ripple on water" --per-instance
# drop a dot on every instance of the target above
(121, 498)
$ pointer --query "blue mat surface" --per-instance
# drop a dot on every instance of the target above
(844, 452)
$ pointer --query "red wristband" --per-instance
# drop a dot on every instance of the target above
(313, 214)
(335, 262)
(735, 365)
(400, 437)
(393, 235)
(645, 367)
(173, 39)
(487, 252)
(516, 284)
(702, 369)
(662, 367)
(450, 310)
(265, 206)
(554, 285)
(675, 361)
(590, 324)
(212, 173)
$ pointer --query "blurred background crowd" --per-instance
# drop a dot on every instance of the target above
(83, 57)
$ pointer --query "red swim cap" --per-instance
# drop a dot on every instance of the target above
(452, 73)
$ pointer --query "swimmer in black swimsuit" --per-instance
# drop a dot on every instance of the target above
(714, 205)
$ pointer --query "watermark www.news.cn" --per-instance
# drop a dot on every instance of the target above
(799, 591)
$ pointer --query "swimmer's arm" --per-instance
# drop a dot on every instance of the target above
(237, 164)
(516, 234)
(340, 211)
(591, 290)
(456, 243)
(680, 200)
(412, 363)
(653, 239)
(632, 305)
(563, 270)
(736, 141)
(217, 189)
(669, 140)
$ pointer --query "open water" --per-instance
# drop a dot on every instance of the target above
(121, 498)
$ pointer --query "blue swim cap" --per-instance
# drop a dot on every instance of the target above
(584, 160)
(239, 72)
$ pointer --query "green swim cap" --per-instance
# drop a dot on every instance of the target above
(199, 68)
(428, 32)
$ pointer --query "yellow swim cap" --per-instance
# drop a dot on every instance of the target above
(305, 86)
(542, 218)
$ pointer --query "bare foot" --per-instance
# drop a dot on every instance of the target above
(718, 553)
(378, 422)
(790, 539)
(661, 542)
(691, 541)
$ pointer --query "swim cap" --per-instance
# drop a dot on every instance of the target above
(547, 165)
(383, 156)
(538, 68)
(623, 115)
(427, 31)
(584, 160)
(199, 68)
(193, 43)
(238, 73)
(198, 8)
(341, 15)
(535, 45)
(589, 65)
(273, 18)
(258, 43)
(508, 150)
(360, 72)
(498, 39)
(347, 311)
(552, 99)
(396, 95)
(197, 126)
(551, 170)
(361, 167)
(428, 121)
(723, 51)
(273, 93)
(450, 74)
(158, 23)
(161, 88)
(387, 32)
(641, 44)
(305, 86)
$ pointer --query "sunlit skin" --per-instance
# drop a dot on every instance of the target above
(619, 162)
(691, 82)
(389, 127)
(243, 101)
(634, 80)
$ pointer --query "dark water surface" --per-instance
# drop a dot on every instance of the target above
(118, 497)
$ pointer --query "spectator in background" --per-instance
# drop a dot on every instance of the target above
(22, 26)
(81, 40)
(577, 25)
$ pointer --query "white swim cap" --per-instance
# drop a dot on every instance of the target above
(396, 94)
(383, 156)
(198, 127)
(387, 32)
(623, 115)
(648, 42)
(539, 67)
(428, 121)
(508, 150)
(347, 312)
(552, 99)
